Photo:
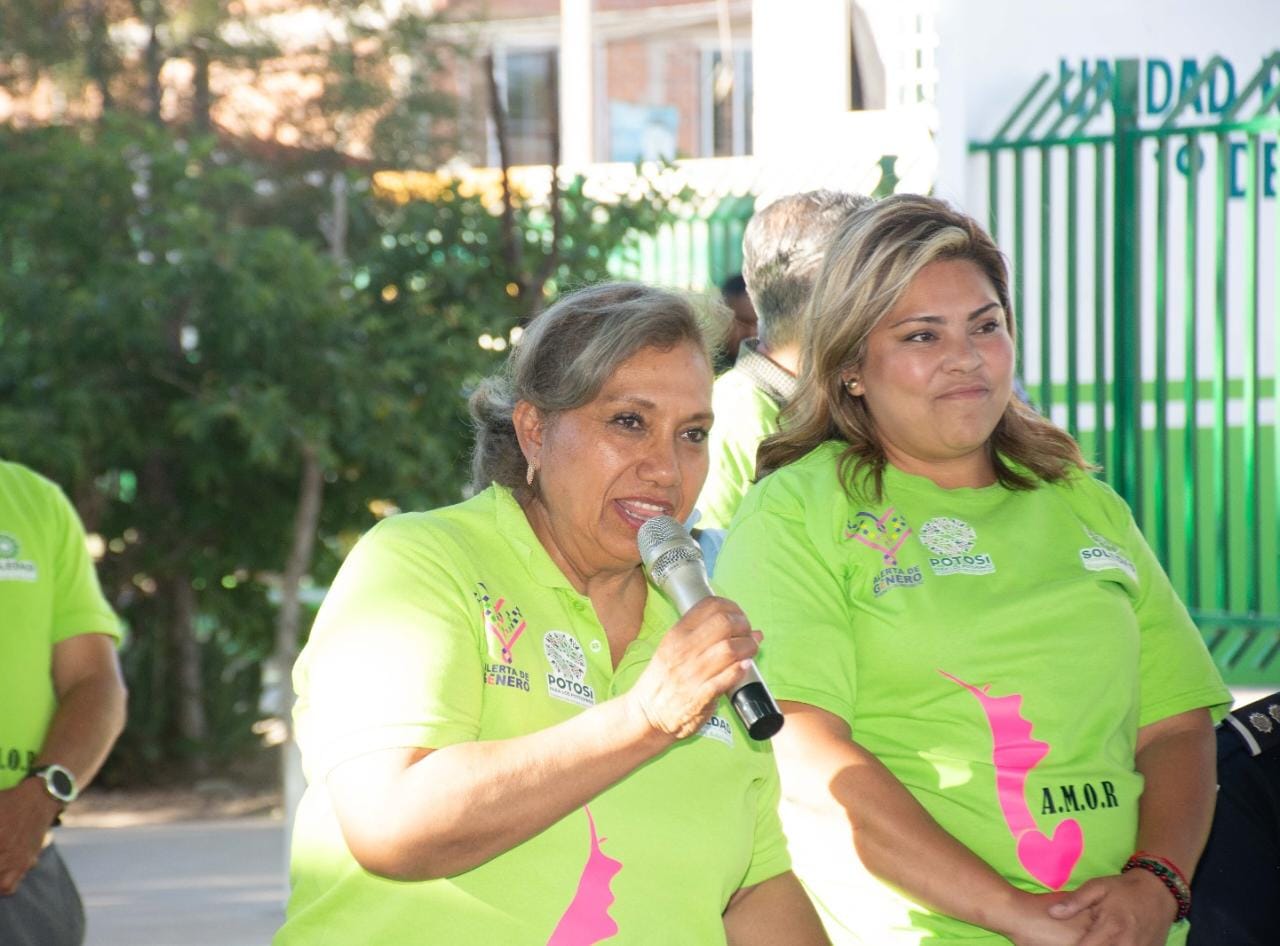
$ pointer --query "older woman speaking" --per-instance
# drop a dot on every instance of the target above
(993, 693)
(509, 736)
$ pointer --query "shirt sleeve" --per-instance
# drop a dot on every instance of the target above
(1175, 669)
(771, 566)
(743, 419)
(79, 606)
(393, 660)
(727, 480)
(769, 856)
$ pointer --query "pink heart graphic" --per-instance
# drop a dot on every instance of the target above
(885, 534)
(1050, 860)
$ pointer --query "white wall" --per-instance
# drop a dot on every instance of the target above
(991, 51)
(805, 135)
(800, 54)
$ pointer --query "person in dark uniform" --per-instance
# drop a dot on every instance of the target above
(1235, 894)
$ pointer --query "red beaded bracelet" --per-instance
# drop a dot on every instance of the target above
(1168, 874)
(1167, 863)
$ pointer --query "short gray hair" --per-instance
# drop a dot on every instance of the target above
(782, 250)
(567, 354)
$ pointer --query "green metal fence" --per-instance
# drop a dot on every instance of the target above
(696, 251)
(703, 247)
(1146, 261)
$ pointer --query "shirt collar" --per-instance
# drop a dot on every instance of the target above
(765, 373)
(513, 525)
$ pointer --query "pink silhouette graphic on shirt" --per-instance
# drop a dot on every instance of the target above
(1049, 859)
(587, 920)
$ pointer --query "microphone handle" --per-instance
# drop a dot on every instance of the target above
(755, 706)
(751, 699)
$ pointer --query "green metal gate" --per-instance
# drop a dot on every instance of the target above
(703, 245)
(697, 251)
(1143, 257)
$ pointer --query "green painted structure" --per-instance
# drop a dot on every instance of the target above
(1146, 332)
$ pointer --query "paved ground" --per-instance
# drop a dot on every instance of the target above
(194, 883)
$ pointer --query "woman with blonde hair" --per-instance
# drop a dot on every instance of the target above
(993, 694)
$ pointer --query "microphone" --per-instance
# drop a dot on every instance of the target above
(674, 563)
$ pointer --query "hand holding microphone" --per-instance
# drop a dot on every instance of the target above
(674, 563)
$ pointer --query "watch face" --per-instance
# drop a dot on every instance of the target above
(60, 784)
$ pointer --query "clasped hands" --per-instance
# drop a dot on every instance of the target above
(1131, 909)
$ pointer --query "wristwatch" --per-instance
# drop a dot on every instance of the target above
(58, 782)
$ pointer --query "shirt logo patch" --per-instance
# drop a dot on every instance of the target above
(566, 681)
(951, 541)
(1104, 554)
(884, 533)
(718, 728)
(894, 577)
(501, 675)
(11, 568)
(504, 622)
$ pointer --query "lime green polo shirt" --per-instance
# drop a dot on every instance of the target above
(745, 415)
(996, 649)
(455, 625)
(48, 593)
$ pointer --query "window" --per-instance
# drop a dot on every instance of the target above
(525, 79)
(726, 105)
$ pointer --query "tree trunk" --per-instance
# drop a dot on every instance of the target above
(193, 726)
(202, 98)
(305, 524)
(98, 52)
(154, 58)
(180, 661)
(335, 230)
(511, 246)
(552, 261)
(529, 285)
(306, 520)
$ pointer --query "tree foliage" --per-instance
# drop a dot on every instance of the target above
(183, 364)
(341, 76)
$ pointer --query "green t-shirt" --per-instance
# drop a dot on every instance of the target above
(745, 415)
(996, 649)
(456, 625)
(48, 593)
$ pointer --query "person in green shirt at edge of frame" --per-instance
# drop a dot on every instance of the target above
(62, 701)
(999, 714)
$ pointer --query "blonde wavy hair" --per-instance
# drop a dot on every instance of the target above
(867, 269)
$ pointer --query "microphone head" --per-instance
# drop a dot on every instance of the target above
(674, 562)
(656, 534)
(672, 558)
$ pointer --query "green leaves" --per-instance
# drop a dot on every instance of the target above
(176, 336)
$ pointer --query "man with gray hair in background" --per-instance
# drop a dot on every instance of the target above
(782, 250)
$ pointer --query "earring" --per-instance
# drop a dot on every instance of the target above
(851, 386)
(528, 476)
